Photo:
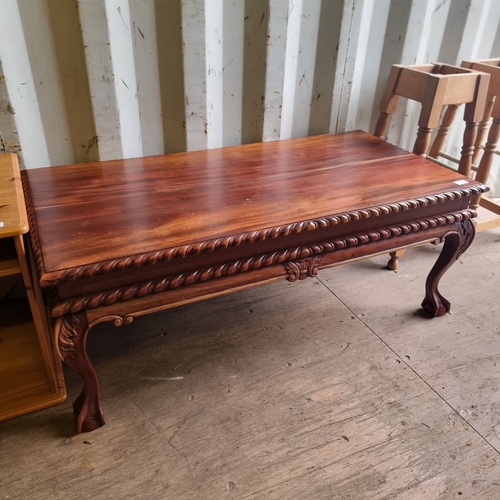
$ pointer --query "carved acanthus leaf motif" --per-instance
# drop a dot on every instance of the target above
(467, 233)
(302, 269)
(67, 334)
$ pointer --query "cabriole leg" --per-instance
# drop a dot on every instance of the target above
(455, 244)
(72, 341)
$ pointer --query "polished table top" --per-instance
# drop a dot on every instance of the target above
(97, 212)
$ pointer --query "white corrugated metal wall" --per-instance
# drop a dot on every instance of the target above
(83, 80)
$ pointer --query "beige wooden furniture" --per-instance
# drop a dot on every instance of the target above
(30, 374)
(492, 111)
(434, 86)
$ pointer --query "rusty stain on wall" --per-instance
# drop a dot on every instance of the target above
(92, 142)
(6, 107)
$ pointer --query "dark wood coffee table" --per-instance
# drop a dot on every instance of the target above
(117, 239)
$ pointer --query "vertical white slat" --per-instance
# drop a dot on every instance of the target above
(168, 18)
(357, 59)
(291, 67)
(378, 43)
(43, 62)
(9, 136)
(232, 70)
(214, 72)
(72, 73)
(124, 76)
(98, 57)
(438, 22)
(147, 77)
(489, 43)
(351, 56)
(23, 104)
(475, 14)
(308, 41)
(193, 43)
(329, 28)
(275, 69)
(338, 106)
(477, 25)
(106, 28)
(255, 43)
(418, 31)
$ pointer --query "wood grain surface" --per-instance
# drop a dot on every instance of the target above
(94, 212)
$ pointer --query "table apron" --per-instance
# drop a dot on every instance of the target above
(291, 264)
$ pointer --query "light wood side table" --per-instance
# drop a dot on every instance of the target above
(31, 375)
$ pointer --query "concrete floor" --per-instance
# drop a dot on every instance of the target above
(331, 388)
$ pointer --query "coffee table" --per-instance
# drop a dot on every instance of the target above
(118, 239)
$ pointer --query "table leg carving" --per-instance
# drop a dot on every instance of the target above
(72, 341)
(303, 268)
(455, 244)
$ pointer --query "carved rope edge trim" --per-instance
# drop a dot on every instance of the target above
(200, 275)
(87, 271)
(33, 233)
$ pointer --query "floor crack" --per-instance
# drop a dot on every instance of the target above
(403, 360)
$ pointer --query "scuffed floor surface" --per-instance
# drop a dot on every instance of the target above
(331, 388)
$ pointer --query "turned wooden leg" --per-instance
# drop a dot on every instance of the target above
(382, 124)
(422, 142)
(487, 159)
(464, 167)
(393, 263)
(484, 125)
(446, 124)
(72, 341)
(455, 245)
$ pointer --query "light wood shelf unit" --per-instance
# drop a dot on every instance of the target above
(31, 375)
